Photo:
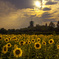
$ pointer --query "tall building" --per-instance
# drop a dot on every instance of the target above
(31, 24)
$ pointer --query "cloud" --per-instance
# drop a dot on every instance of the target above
(46, 15)
(20, 4)
(50, 3)
(46, 9)
(6, 8)
(11, 17)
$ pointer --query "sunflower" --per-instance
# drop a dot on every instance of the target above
(9, 38)
(26, 42)
(39, 39)
(57, 46)
(6, 40)
(51, 41)
(8, 45)
(14, 38)
(21, 43)
(4, 49)
(29, 42)
(33, 40)
(17, 52)
(15, 46)
(0, 37)
(44, 43)
(37, 45)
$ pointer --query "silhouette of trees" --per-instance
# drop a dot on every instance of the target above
(46, 24)
(58, 24)
(51, 24)
(3, 31)
(11, 31)
(38, 29)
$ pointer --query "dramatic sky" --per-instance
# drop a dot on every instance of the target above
(16, 14)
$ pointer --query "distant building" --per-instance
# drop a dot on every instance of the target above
(31, 24)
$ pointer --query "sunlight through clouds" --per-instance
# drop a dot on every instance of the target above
(13, 17)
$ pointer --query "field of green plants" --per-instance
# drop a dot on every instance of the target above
(29, 46)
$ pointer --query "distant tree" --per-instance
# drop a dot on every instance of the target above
(37, 25)
(51, 24)
(46, 24)
(58, 24)
(3, 31)
(11, 31)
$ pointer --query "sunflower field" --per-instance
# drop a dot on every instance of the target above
(29, 46)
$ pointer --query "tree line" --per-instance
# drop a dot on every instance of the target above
(51, 29)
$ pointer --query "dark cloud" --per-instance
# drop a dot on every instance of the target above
(46, 15)
(21, 3)
(46, 20)
(51, 3)
(46, 9)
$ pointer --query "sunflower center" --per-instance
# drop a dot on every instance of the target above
(6, 40)
(4, 48)
(8, 44)
(29, 42)
(51, 41)
(32, 40)
(9, 38)
(38, 40)
(37, 45)
(21, 42)
(43, 43)
(26, 42)
(14, 38)
(17, 52)
(0, 37)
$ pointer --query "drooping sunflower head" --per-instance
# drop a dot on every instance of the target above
(57, 46)
(39, 39)
(14, 38)
(4, 49)
(51, 41)
(9, 38)
(15, 46)
(43, 42)
(17, 52)
(0, 37)
(37, 45)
